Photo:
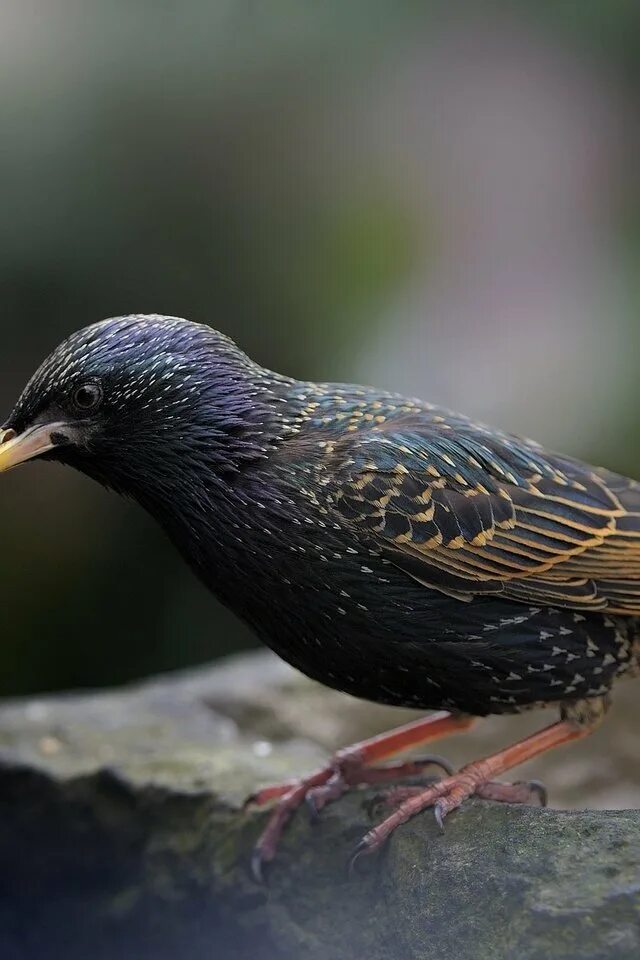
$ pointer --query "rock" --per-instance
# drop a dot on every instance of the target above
(122, 835)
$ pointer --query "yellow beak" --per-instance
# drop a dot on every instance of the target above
(15, 449)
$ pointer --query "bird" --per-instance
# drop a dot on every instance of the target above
(381, 545)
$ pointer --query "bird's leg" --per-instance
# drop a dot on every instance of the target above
(476, 777)
(350, 767)
(360, 755)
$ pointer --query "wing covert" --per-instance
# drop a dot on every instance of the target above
(469, 511)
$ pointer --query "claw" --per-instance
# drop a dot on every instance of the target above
(258, 867)
(312, 807)
(360, 850)
(439, 815)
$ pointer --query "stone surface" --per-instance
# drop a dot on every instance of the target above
(122, 835)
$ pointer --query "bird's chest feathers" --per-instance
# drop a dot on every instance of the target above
(281, 564)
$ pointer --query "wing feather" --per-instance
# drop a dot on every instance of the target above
(469, 511)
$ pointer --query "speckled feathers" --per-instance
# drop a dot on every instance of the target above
(382, 545)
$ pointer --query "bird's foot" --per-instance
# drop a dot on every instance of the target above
(346, 777)
(354, 766)
(528, 792)
(446, 795)
(344, 772)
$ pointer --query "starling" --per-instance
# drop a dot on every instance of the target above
(381, 545)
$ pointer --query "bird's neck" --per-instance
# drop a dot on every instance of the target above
(228, 531)
(210, 491)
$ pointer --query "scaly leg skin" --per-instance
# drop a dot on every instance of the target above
(474, 778)
(348, 768)
(526, 792)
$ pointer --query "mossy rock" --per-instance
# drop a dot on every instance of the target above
(122, 835)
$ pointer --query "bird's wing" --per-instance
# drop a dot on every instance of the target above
(468, 511)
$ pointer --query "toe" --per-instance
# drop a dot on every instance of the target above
(522, 791)
(536, 790)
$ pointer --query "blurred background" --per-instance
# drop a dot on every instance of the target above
(442, 199)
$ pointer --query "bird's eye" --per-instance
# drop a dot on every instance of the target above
(87, 397)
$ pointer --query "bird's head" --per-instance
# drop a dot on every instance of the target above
(142, 404)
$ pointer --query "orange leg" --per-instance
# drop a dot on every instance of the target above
(475, 777)
(348, 768)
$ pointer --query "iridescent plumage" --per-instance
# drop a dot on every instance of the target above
(383, 546)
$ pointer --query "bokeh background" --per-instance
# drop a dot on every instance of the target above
(442, 199)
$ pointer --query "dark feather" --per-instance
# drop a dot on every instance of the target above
(469, 511)
(383, 546)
